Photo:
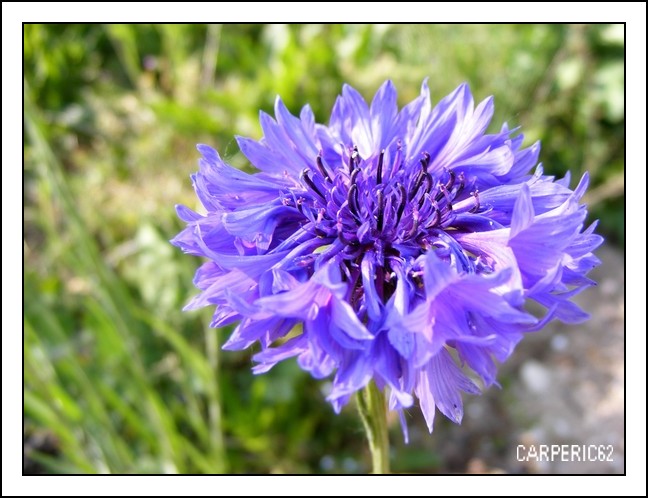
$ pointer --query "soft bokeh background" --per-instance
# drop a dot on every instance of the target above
(118, 379)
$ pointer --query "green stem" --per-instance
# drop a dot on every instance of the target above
(373, 412)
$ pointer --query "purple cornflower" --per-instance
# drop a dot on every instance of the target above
(390, 245)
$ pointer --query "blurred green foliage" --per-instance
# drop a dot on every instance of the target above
(114, 371)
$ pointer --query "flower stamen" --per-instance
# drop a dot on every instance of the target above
(425, 161)
(310, 183)
(417, 185)
(403, 201)
(354, 176)
(437, 215)
(322, 169)
(353, 160)
(353, 200)
(475, 195)
(462, 183)
(415, 224)
(443, 192)
(340, 233)
(428, 180)
(451, 180)
(380, 208)
(380, 167)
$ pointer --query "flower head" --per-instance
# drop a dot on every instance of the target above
(399, 244)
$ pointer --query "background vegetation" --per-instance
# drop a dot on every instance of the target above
(116, 377)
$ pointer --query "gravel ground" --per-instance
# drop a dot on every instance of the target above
(563, 385)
